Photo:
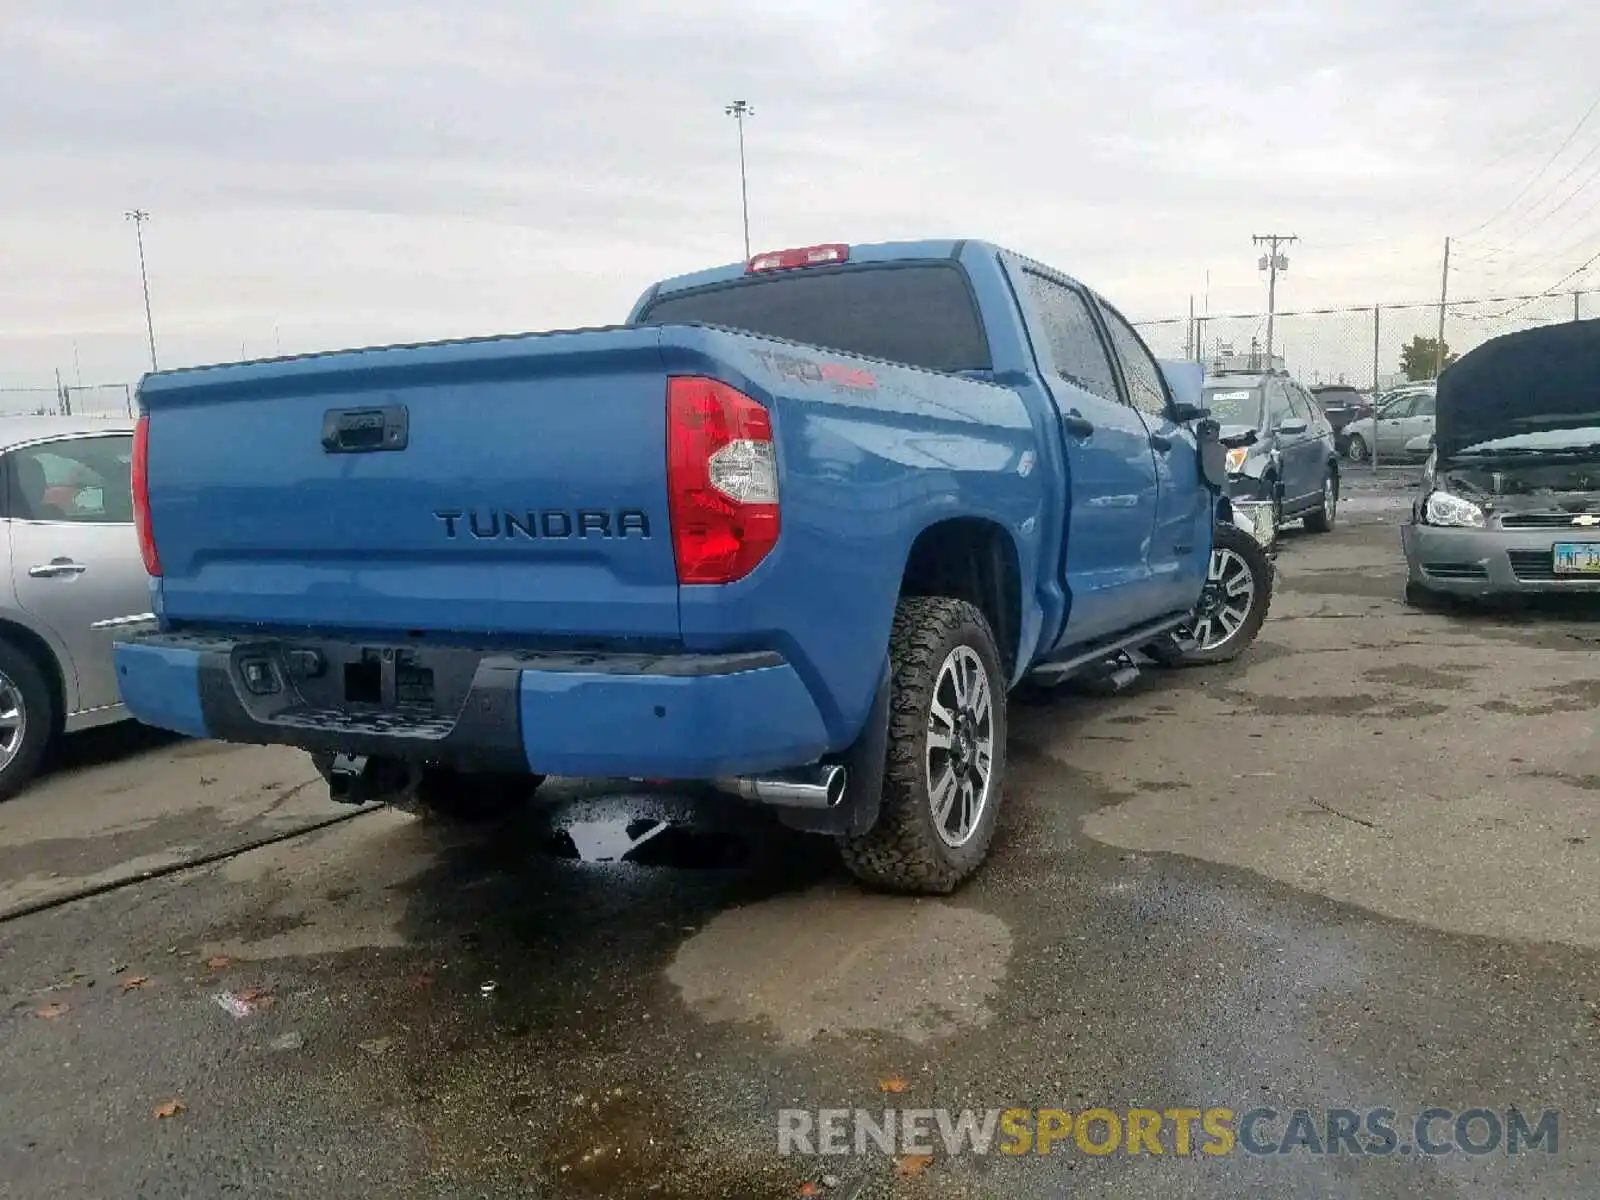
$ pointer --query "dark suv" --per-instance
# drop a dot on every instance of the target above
(1292, 460)
(1341, 404)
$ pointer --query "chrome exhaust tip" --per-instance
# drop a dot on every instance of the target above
(813, 787)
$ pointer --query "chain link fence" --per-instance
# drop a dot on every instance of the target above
(1360, 346)
(81, 400)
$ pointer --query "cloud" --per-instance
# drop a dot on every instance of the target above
(324, 174)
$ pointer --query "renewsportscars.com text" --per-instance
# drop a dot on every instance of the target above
(1179, 1132)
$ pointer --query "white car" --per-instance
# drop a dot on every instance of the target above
(73, 579)
(1402, 422)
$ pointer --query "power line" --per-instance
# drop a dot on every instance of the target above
(1539, 174)
(1552, 290)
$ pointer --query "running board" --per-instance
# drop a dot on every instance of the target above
(1099, 652)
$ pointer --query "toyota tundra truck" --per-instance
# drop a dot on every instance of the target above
(795, 530)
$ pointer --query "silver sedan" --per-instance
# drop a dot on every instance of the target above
(73, 578)
(1401, 422)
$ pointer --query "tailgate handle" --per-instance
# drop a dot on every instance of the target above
(365, 430)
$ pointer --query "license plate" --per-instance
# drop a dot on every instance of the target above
(1577, 558)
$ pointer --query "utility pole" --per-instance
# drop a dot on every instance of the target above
(138, 216)
(1272, 262)
(739, 110)
(1444, 296)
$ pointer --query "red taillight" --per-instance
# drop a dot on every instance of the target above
(722, 480)
(806, 256)
(141, 498)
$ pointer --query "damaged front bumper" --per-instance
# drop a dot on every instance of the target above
(1258, 518)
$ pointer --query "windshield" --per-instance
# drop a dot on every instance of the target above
(923, 315)
(1234, 405)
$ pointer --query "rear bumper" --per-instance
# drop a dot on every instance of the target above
(1485, 562)
(687, 716)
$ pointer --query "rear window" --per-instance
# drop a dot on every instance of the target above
(922, 315)
(1338, 397)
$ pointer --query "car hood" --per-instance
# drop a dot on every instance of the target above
(1229, 432)
(1540, 387)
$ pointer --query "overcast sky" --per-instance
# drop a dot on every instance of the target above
(325, 174)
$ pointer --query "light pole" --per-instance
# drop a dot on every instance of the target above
(138, 216)
(739, 110)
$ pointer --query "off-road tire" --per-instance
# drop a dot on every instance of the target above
(903, 852)
(1227, 537)
(1356, 449)
(39, 718)
(1321, 519)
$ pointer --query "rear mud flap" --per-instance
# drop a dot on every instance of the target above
(864, 763)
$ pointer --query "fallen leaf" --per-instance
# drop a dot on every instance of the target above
(892, 1085)
(170, 1109)
(377, 1047)
(51, 1011)
(422, 980)
(138, 981)
(217, 963)
(252, 995)
(912, 1165)
(809, 1189)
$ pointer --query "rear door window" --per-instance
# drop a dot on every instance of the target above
(923, 315)
(81, 479)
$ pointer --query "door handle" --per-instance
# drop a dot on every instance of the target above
(56, 568)
(1161, 442)
(1077, 425)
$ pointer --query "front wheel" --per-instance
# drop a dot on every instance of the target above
(1356, 451)
(946, 755)
(1233, 604)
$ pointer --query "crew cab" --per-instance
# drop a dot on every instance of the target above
(796, 528)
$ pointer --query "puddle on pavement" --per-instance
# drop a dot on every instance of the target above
(842, 961)
(644, 828)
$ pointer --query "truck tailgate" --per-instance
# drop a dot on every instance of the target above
(506, 485)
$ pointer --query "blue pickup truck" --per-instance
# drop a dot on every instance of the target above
(796, 528)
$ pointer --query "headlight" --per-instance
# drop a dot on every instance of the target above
(1443, 508)
(1236, 457)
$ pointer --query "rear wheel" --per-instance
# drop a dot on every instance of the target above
(1233, 604)
(27, 719)
(1356, 450)
(1321, 519)
(946, 755)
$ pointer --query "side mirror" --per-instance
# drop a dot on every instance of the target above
(1293, 426)
(1186, 382)
(1184, 413)
(1213, 454)
(1234, 441)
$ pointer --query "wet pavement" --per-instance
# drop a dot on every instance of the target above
(1356, 870)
